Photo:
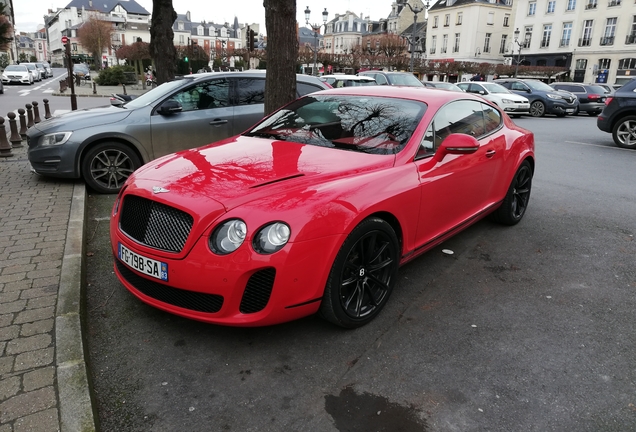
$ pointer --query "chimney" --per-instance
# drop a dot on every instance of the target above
(188, 15)
(90, 3)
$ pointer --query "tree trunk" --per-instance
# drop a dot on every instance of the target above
(162, 49)
(282, 53)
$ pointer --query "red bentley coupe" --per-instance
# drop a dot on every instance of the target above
(315, 208)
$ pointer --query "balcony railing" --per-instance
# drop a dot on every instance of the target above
(611, 3)
(443, 51)
(630, 39)
(564, 42)
(431, 51)
(456, 48)
(607, 40)
(585, 42)
(591, 6)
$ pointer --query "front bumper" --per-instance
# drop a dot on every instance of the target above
(239, 289)
(56, 160)
(519, 108)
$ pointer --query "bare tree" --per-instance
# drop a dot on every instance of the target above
(282, 53)
(6, 29)
(162, 49)
(94, 35)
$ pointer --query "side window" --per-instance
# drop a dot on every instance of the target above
(492, 119)
(474, 88)
(211, 94)
(463, 116)
(250, 91)
(380, 79)
(304, 89)
(518, 86)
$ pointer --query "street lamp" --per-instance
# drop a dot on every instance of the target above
(316, 28)
(519, 46)
(416, 10)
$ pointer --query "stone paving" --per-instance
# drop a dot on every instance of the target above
(43, 385)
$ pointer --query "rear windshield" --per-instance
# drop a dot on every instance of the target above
(596, 90)
(364, 124)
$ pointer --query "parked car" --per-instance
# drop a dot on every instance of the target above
(34, 71)
(82, 70)
(337, 80)
(543, 98)
(42, 70)
(315, 207)
(17, 74)
(442, 85)
(609, 90)
(591, 97)
(619, 116)
(392, 78)
(104, 145)
(512, 103)
(49, 70)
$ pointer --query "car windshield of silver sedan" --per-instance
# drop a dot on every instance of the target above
(375, 125)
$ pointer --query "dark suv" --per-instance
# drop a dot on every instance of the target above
(543, 98)
(619, 116)
(591, 97)
(393, 78)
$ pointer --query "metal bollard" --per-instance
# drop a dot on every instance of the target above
(124, 88)
(36, 113)
(5, 147)
(94, 87)
(29, 108)
(23, 126)
(15, 138)
(47, 110)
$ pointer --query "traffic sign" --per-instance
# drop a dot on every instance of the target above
(64, 40)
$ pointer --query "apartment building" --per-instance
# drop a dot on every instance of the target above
(596, 39)
(470, 30)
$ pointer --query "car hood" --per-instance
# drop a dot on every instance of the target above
(243, 169)
(80, 119)
(513, 97)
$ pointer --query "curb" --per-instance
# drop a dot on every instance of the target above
(75, 403)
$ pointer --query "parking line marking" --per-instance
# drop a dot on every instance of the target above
(598, 145)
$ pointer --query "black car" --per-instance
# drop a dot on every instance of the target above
(591, 97)
(619, 116)
(543, 98)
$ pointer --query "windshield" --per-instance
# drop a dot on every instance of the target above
(16, 68)
(362, 124)
(30, 66)
(538, 85)
(405, 79)
(155, 94)
(495, 88)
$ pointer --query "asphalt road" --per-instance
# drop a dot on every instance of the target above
(524, 328)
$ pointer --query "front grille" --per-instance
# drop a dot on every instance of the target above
(154, 224)
(257, 291)
(191, 300)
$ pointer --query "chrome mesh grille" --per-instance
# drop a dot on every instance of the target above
(257, 291)
(154, 224)
(191, 300)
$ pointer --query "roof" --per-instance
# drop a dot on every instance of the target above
(442, 4)
(106, 6)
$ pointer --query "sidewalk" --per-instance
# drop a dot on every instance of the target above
(43, 374)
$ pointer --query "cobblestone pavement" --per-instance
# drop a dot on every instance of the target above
(43, 378)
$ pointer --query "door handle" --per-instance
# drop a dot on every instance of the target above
(216, 122)
(490, 153)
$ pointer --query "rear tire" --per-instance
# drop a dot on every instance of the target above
(624, 132)
(107, 166)
(362, 276)
(516, 201)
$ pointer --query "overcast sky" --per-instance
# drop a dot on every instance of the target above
(29, 13)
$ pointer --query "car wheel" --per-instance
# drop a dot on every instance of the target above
(624, 132)
(106, 166)
(362, 276)
(537, 109)
(516, 201)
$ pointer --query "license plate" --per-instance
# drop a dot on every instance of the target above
(570, 110)
(142, 264)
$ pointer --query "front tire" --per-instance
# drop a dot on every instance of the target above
(516, 201)
(624, 133)
(106, 166)
(363, 275)
(537, 109)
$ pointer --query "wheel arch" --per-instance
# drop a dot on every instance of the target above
(98, 140)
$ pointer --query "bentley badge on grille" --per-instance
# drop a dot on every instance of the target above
(159, 189)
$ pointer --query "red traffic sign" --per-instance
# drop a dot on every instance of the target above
(64, 40)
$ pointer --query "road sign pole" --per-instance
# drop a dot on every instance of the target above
(70, 80)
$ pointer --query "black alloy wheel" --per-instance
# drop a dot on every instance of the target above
(515, 203)
(362, 276)
(537, 109)
(107, 166)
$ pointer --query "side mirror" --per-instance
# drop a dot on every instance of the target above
(457, 143)
(482, 92)
(170, 107)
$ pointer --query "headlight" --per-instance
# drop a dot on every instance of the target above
(228, 236)
(58, 138)
(507, 101)
(554, 96)
(271, 238)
